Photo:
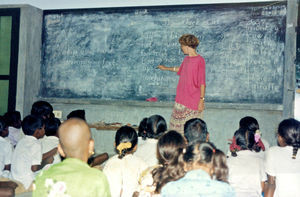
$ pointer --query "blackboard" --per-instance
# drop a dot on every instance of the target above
(298, 52)
(112, 53)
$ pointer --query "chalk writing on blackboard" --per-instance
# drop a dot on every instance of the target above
(112, 53)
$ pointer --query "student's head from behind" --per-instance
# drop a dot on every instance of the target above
(75, 139)
(245, 139)
(42, 109)
(51, 126)
(80, 113)
(13, 119)
(189, 40)
(249, 123)
(152, 127)
(205, 156)
(125, 141)
(289, 134)
(169, 148)
(34, 126)
(195, 130)
(3, 128)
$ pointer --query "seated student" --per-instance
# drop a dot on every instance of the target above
(169, 147)
(13, 121)
(50, 140)
(196, 130)
(251, 124)
(123, 170)
(246, 167)
(94, 160)
(7, 185)
(80, 113)
(206, 174)
(150, 129)
(27, 157)
(282, 163)
(6, 150)
(42, 109)
(72, 176)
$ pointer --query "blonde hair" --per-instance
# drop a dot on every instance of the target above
(189, 40)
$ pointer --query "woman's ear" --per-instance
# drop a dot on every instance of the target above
(61, 151)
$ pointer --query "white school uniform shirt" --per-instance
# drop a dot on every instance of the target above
(246, 172)
(6, 151)
(123, 174)
(140, 141)
(48, 143)
(27, 153)
(147, 152)
(279, 163)
(14, 135)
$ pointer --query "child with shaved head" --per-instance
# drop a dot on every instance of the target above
(73, 176)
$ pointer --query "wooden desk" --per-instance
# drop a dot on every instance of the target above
(110, 126)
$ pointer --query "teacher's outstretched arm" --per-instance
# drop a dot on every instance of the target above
(173, 69)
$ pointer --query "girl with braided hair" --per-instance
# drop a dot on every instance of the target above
(283, 162)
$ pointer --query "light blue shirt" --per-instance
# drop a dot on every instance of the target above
(197, 183)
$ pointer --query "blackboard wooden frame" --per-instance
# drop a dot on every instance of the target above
(83, 10)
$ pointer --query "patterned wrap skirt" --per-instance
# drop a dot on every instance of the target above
(180, 115)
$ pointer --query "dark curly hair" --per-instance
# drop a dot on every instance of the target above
(189, 40)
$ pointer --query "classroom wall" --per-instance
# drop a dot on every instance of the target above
(28, 76)
(222, 119)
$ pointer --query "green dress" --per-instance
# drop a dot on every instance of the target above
(72, 177)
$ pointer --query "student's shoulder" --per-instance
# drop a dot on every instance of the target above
(223, 187)
(113, 160)
(112, 164)
(4, 142)
(139, 162)
(274, 150)
(98, 177)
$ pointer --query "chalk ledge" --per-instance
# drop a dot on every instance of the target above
(164, 104)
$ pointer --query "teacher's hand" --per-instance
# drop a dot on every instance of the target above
(201, 105)
(162, 67)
